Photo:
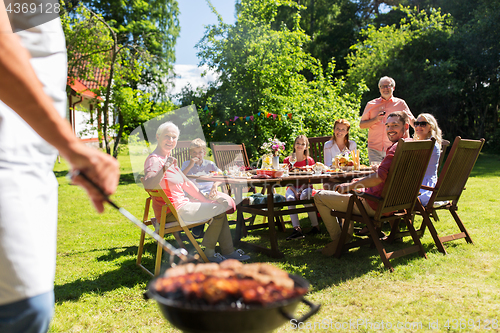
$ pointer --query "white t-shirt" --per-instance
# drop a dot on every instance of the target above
(331, 150)
(28, 190)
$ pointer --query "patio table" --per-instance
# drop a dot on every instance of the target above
(239, 183)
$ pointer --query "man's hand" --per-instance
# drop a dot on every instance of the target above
(343, 188)
(213, 191)
(381, 115)
(193, 161)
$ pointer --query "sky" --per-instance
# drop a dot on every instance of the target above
(194, 16)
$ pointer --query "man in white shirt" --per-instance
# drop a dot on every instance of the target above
(32, 128)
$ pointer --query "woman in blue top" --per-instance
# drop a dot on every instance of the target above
(426, 127)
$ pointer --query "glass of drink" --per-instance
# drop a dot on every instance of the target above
(292, 159)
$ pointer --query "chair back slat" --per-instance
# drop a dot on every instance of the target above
(316, 149)
(181, 152)
(444, 146)
(456, 170)
(228, 155)
(405, 176)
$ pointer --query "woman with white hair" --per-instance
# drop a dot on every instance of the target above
(161, 170)
(426, 127)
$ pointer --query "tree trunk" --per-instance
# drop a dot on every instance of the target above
(119, 135)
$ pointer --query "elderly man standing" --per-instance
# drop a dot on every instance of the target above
(396, 127)
(375, 116)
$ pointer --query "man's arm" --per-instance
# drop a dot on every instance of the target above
(368, 181)
(21, 90)
(152, 178)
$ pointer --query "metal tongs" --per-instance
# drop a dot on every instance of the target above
(182, 254)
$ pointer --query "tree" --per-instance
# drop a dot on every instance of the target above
(122, 64)
(415, 52)
(150, 25)
(262, 90)
(444, 63)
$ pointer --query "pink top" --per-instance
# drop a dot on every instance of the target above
(310, 161)
(377, 137)
(173, 183)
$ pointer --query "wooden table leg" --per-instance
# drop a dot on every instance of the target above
(272, 226)
(240, 221)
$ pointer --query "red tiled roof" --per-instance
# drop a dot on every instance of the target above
(81, 68)
(81, 88)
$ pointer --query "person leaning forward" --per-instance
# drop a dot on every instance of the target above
(396, 127)
(375, 115)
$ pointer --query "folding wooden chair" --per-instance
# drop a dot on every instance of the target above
(163, 228)
(316, 148)
(228, 155)
(449, 187)
(444, 146)
(398, 195)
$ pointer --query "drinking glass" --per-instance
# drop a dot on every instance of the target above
(293, 159)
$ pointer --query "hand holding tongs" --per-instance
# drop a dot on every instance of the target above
(181, 253)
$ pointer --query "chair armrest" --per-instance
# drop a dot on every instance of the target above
(366, 196)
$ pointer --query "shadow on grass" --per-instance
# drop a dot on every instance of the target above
(301, 258)
(127, 275)
(60, 173)
(127, 179)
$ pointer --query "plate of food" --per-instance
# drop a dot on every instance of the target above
(300, 172)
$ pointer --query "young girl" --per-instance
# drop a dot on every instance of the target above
(426, 127)
(339, 142)
(301, 151)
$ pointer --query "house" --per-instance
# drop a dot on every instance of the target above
(83, 104)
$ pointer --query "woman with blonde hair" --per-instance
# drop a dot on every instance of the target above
(161, 171)
(339, 142)
(426, 127)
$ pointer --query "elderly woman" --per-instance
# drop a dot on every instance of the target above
(161, 170)
(426, 127)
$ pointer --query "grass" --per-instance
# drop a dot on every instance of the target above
(99, 288)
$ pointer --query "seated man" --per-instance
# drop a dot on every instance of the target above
(396, 127)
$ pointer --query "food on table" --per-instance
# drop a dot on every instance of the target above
(343, 160)
(226, 283)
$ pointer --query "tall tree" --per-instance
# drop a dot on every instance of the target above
(151, 25)
(262, 90)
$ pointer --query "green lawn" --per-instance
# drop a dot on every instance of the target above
(99, 288)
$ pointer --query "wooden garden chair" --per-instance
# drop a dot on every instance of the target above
(316, 148)
(396, 201)
(181, 152)
(164, 227)
(449, 187)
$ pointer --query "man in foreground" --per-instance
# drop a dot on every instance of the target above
(396, 127)
(32, 105)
